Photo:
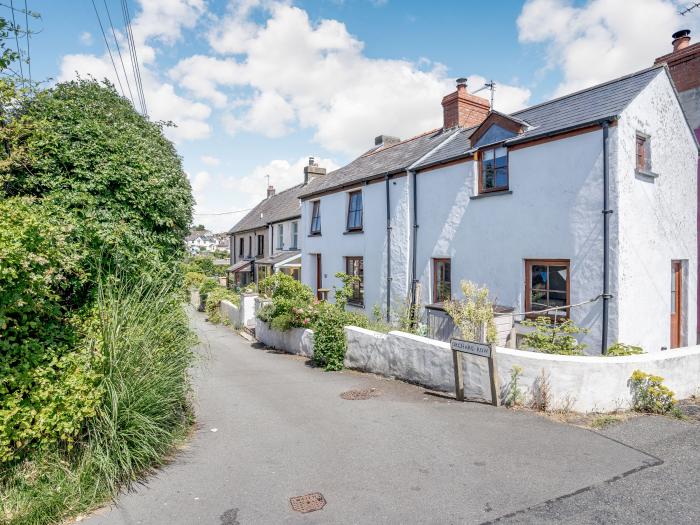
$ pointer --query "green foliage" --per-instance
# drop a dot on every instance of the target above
(204, 264)
(208, 284)
(620, 349)
(46, 377)
(280, 285)
(101, 162)
(473, 312)
(515, 396)
(214, 298)
(551, 337)
(292, 303)
(194, 279)
(649, 394)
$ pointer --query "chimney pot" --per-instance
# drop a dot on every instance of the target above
(681, 39)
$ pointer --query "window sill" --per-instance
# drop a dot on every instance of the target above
(645, 175)
(315, 234)
(352, 232)
(491, 194)
(356, 305)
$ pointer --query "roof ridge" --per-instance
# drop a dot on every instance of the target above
(379, 150)
(590, 88)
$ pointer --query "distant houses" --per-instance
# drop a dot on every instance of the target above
(584, 207)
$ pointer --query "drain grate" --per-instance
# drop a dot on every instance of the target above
(359, 395)
(308, 502)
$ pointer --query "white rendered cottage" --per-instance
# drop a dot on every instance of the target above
(518, 203)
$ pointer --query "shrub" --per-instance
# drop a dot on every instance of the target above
(514, 394)
(473, 312)
(649, 394)
(552, 337)
(99, 160)
(194, 279)
(293, 304)
(214, 298)
(47, 379)
(620, 349)
(208, 284)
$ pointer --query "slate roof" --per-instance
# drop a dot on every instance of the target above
(571, 111)
(280, 207)
(391, 158)
(279, 257)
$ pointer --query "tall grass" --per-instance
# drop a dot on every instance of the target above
(142, 334)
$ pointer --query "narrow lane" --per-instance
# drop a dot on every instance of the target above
(270, 427)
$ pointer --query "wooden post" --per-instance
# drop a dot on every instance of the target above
(493, 377)
(459, 379)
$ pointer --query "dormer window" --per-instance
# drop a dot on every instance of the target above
(493, 169)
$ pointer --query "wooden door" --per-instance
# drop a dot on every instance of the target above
(676, 303)
(319, 276)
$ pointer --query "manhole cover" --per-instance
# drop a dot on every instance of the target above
(358, 395)
(308, 502)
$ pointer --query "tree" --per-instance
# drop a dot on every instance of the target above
(107, 166)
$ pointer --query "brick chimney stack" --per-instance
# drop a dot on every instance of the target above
(684, 66)
(463, 109)
(270, 190)
(312, 171)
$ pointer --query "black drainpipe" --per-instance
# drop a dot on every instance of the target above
(414, 244)
(606, 240)
(388, 250)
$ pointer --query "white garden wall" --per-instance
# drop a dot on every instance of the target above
(578, 383)
(231, 312)
(299, 341)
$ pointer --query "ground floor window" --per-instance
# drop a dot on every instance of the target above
(547, 285)
(442, 280)
(354, 266)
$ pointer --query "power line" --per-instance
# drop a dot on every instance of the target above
(119, 51)
(19, 51)
(29, 56)
(134, 57)
(223, 212)
(109, 50)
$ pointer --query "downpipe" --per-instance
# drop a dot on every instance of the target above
(414, 248)
(388, 250)
(607, 212)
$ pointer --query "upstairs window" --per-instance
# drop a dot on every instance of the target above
(493, 170)
(295, 235)
(250, 246)
(354, 267)
(442, 280)
(354, 210)
(261, 245)
(547, 286)
(241, 247)
(643, 153)
(280, 237)
(315, 218)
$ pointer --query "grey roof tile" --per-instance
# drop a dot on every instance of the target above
(387, 159)
(280, 207)
(570, 111)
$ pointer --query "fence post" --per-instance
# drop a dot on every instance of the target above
(459, 378)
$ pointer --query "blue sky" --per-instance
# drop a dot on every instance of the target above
(256, 86)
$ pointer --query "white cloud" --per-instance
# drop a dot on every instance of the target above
(299, 74)
(210, 160)
(601, 39)
(163, 22)
(244, 191)
(86, 38)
